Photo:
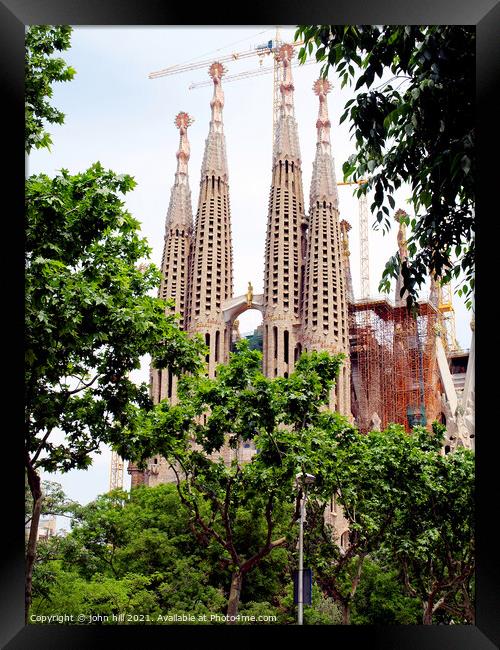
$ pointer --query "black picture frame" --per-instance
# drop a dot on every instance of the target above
(14, 16)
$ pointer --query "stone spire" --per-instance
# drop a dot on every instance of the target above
(285, 240)
(176, 251)
(211, 263)
(180, 212)
(324, 299)
(286, 143)
(173, 285)
(324, 182)
(403, 255)
(214, 160)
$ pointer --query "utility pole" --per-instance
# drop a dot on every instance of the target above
(300, 581)
(302, 481)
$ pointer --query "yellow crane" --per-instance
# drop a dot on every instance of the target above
(442, 297)
(116, 473)
(364, 259)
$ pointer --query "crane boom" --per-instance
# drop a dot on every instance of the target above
(266, 49)
(248, 73)
(263, 50)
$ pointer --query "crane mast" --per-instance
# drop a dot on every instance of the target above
(447, 316)
(363, 247)
(364, 259)
(116, 474)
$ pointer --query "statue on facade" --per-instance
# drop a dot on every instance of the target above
(250, 294)
(375, 422)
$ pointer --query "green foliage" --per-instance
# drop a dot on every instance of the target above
(380, 598)
(409, 511)
(54, 501)
(98, 600)
(433, 541)
(144, 534)
(399, 494)
(283, 417)
(89, 316)
(41, 71)
(408, 128)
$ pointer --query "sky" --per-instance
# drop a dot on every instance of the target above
(116, 115)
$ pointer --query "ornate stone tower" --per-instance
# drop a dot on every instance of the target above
(174, 284)
(285, 240)
(211, 264)
(324, 307)
(176, 252)
(345, 226)
(403, 256)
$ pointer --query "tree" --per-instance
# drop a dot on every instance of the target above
(54, 501)
(281, 415)
(433, 541)
(146, 534)
(89, 315)
(361, 475)
(420, 131)
(397, 493)
(380, 598)
(41, 70)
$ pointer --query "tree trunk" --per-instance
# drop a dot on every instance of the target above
(346, 613)
(36, 492)
(234, 596)
(428, 611)
(469, 611)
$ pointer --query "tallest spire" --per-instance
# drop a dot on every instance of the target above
(214, 160)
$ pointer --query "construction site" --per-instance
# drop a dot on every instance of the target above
(402, 367)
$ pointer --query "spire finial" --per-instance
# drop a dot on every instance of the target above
(285, 55)
(400, 217)
(214, 159)
(182, 122)
(321, 88)
(286, 141)
(217, 71)
(345, 226)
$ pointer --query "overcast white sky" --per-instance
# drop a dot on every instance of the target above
(117, 115)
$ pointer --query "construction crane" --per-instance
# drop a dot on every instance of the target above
(447, 316)
(269, 48)
(116, 474)
(364, 259)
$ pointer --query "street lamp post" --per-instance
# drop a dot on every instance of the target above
(302, 480)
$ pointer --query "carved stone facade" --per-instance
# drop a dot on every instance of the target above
(324, 299)
(176, 254)
(211, 275)
(304, 304)
(285, 240)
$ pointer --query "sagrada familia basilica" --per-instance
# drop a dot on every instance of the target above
(397, 368)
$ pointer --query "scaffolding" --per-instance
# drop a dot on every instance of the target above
(393, 364)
